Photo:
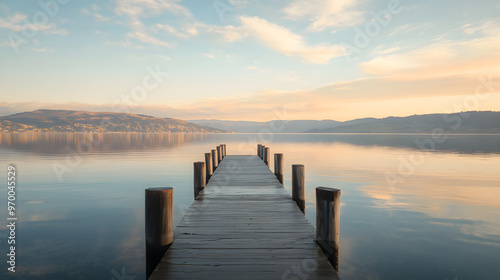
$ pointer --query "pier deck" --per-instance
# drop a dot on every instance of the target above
(244, 225)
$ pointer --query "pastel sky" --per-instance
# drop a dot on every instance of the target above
(249, 59)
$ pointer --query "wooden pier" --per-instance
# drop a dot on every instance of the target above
(244, 225)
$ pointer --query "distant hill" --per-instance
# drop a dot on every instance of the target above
(465, 122)
(470, 122)
(81, 121)
(295, 126)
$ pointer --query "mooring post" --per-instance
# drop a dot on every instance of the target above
(219, 153)
(214, 160)
(159, 228)
(298, 182)
(261, 152)
(278, 167)
(328, 223)
(267, 156)
(223, 150)
(258, 150)
(208, 165)
(200, 177)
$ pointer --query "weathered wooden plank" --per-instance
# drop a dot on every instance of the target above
(244, 225)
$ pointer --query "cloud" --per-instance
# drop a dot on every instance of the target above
(467, 57)
(209, 55)
(380, 50)
(142, 8)
(17, 23)
(375, 97)
(259, 69)
(94, 13)
(286, 42)
(185, 32)
(126, 43)
(147, 38)
(325, 13)
(407, 28)
(163, 57)
(62, 32)
(135, 10)
(42, 50)
(227, 33)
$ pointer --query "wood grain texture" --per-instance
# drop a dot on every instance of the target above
(244, 225)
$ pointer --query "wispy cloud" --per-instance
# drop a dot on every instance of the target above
(259, 69)
(145, 37)
(288, 43)
(326, 13)
(135, 10)
(141, 8)
(163, 57)
(94, 12)
(17, 23)
(340, 100)
(444, 58)
(42, 50)
(408, 28)
(381, 50)
(185, 32)
(209, 55)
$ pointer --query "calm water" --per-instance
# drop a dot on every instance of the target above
(407, 213)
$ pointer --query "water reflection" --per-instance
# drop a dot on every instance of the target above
(58, 143)
(439, 222)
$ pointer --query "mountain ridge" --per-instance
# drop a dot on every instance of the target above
(463, 122)
(45, 120)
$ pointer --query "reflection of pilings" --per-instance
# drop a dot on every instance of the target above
(200, 179)
(328, 223)
(278, 167)
(159, 225)
(298, 182)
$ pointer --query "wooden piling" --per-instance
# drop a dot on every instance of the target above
(278, 167)
(298, 185)
(208, 165)
(200, 177)
(214, 160)
(267, 156)
(159, 225)
(219, 153)
(328, 222)
(261, 152)
(223, 150)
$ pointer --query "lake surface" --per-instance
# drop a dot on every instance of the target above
(413, 206)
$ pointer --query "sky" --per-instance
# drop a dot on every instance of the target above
(251, 60)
